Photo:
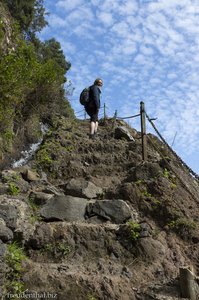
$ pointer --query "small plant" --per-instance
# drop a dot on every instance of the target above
(91, 297)
(69, 148)
(173, 185)
(63, 249)
(44, 158)
(138, 182)
(10, 178)
(32, 204)
(147, 194)
(34, 214)
(182, 226)
(48, 248)
(155, 232)
(101, 196)
(170, 177)
(166, 173)
(58, 249)
(13, 189)
(155, 202)
(134, 230)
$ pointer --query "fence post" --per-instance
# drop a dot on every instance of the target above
(104, 112)
(114, 119)
(143, 131)
(188, 284)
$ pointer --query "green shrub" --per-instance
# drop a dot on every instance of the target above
(43, 157)
(13, 189)
(134, 230)
(91, 297)
(150, 198)
(14, 257)
(58, 249)
(182, 226)
(171, 178)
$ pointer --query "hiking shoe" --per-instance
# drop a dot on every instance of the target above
(92, 136)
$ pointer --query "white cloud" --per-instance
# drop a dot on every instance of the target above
(80, 16)
(121, 29)
(55, 21)
(106, 18)
(68, 5)
(129, 8)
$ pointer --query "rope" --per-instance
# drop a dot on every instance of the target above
(173, 152)
(79, 111)
(120, 118)
(82, 115)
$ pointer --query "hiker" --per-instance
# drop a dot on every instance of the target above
(93, 106)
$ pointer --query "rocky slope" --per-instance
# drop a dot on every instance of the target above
(88, 219)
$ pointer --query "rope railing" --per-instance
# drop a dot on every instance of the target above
(80, 115)
(80, 111)
(169, 147)
(104, 114)
(130, 117)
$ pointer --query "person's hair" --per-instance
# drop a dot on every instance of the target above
(97, 80)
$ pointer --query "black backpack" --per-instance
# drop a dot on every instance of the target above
(84, 96)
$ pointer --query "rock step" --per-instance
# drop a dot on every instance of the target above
(78, 282)
(101, 280)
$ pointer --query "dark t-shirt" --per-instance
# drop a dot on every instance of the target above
(94, 96)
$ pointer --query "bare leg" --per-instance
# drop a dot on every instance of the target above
(96, 127)
(92, 127)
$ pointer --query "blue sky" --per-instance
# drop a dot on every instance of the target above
(144, 50)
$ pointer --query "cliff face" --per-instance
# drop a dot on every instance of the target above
(93, 221)
(6, 30)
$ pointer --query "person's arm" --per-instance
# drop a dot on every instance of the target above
(96, 98)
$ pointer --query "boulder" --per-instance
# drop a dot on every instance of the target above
(42, 235)
(123, 132)
(40, 198)
(9, 214)
(5, 233)
(151, 249)
(16, 184)
(8, 175)
(2, 250)
(116, 211)
(52, 190)
(82, 188)
(64, 208)
(4, 188)
(146, 230)
(16, 215)
(30, 175)
(145, 171)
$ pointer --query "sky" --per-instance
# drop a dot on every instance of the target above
(144, 50)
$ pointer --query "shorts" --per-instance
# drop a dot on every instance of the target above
(93, 114)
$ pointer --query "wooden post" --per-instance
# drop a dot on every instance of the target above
(188, 285)
(104, 112)
(143, 131)
(84, 114)
(114, 119)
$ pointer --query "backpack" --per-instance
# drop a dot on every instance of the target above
(84, 96)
